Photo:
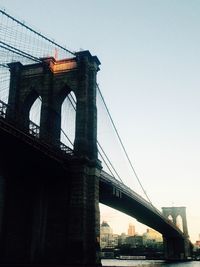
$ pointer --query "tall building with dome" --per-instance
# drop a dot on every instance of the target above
(107, 238)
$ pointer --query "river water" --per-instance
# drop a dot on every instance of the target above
(148, 263)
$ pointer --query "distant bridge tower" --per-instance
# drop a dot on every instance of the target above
(174, 212)
(51, 203)
(174, 247)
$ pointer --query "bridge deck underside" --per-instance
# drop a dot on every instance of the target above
(136, 209)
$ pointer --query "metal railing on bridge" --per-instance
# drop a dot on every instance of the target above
(34, 130)
(3, 108)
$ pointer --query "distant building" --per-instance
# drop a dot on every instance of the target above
(135, 241)
(107, 238)
(131, 230)
(197, 244)
(115, 240)
(105, 228)
(152, 238)
(196, 249)
(153, 235)
(122, 239)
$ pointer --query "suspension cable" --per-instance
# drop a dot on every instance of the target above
(18, 51)
(110, 163)
(106, 163)
(116, 173)
(37, 33)
(67, 137)
(123, 147)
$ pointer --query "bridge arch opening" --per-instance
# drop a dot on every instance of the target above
(68, 119)
(4, 83)
(179, 222)
(33, 106)
(170, 218)
(29, 106)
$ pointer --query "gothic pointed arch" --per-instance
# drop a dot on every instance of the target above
(179, 222)
(31, 111)
(170, 218)
(65, 105)
(62, 94)
(68, 119)
(28, 102)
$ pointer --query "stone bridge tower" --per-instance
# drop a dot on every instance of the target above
(175, 248)
(174, 212)
(51, 210)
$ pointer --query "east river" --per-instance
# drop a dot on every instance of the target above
(148, 263)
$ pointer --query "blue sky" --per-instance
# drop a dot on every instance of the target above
(150, 55)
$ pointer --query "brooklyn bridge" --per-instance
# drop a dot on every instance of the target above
(51, 183)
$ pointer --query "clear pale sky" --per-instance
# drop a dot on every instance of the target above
(150, 63)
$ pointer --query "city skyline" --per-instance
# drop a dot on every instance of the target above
(149, 76)
(140, 229)
(126, 232)
(109, 239)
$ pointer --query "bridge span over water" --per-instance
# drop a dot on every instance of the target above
(117, 195)
(33, 158)
(50, 193)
